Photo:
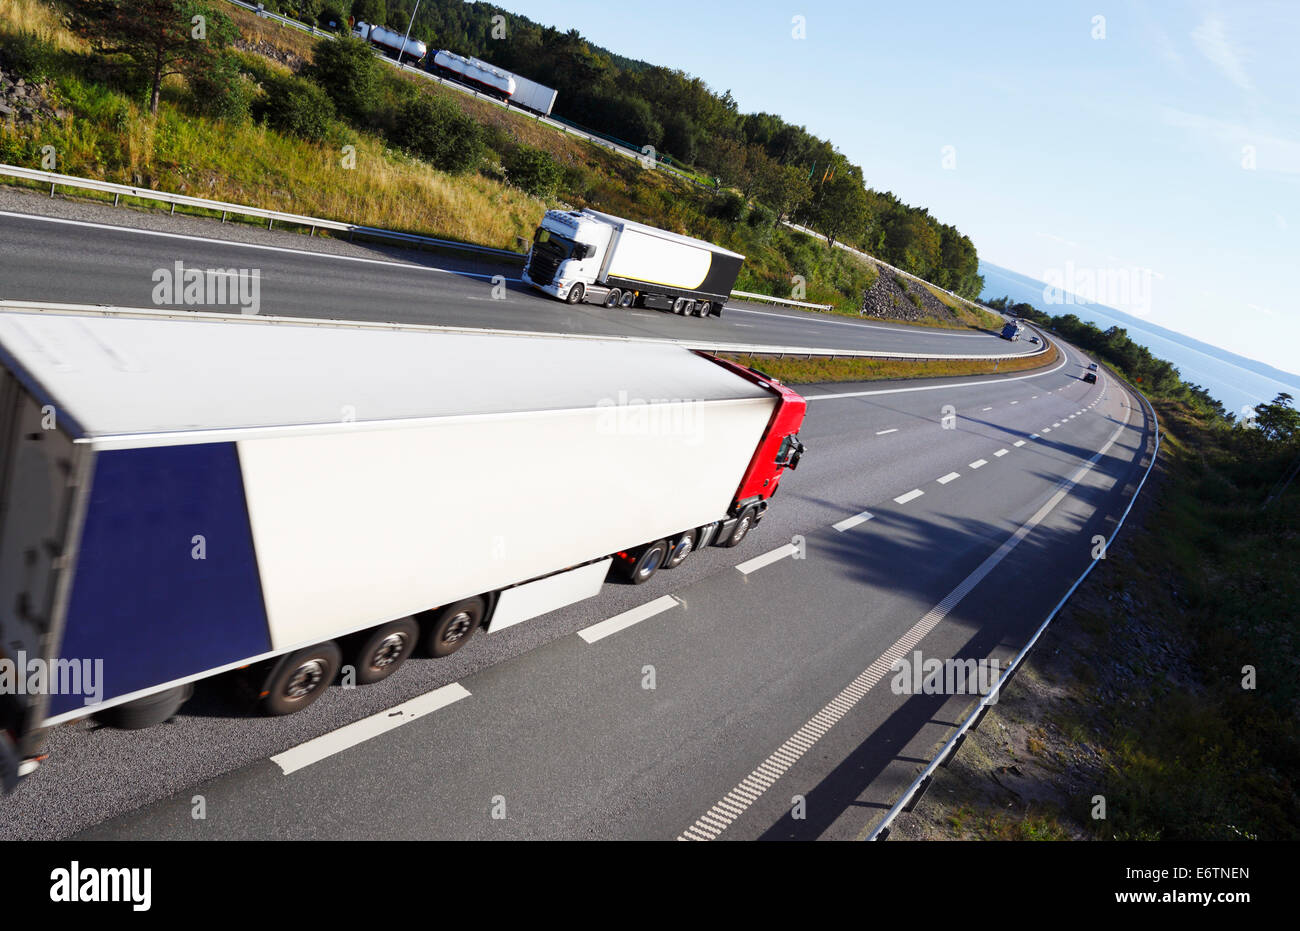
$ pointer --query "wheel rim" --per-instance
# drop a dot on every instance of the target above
(626, 300)
(743, 528)
(305, 679)
(612, 299)
(388, 651)
(683, 550)
(653, 559)
(457, 627)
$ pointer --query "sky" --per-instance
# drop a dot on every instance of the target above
(1143, 154)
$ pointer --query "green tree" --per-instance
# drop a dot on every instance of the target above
(158, 38)
(295, 105)
(1278, 420)
(369, 11)
(349, 73)
(438, 131)
(533, 171)
(839, 208)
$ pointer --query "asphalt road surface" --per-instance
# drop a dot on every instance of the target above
(65, 252)
(749, 697)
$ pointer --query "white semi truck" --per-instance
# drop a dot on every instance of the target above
(272, 498)
(585, 255)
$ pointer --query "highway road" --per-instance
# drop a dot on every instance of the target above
(743, 695)
(66, 252)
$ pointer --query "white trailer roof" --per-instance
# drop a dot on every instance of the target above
(111, 376)
(663, 234)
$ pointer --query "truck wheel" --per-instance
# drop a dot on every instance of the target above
(299, 678)
(576, 294)
(684, 546)
(146, 712)
(647, 563)
(384, 649)
(627, 299)
(613, 297)
(703, 309)
(679, 305)
(448, 629)
(743, 525)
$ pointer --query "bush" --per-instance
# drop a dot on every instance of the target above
(533, 171)
(728, 207)
(439, 132)
(295, 106)
(223, 93)
(27, 56)
(347, 70)
(761, 216)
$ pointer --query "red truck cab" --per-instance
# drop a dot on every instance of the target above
(778, 450)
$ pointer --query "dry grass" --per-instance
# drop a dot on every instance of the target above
(43, 21)
(796, 371)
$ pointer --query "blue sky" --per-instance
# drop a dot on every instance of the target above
(1162, 159)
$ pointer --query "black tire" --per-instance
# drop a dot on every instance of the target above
(679, 305)
(682, 547)
(703, 309)
(449, 628)
(640, 570)
(744, 524)
(613, 297)
(627, 300)
(299, 678)
(576, 294)
(380, 652)
(146, 712)
(688, 310)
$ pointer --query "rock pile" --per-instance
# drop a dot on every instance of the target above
(22, 101)
(889, 299)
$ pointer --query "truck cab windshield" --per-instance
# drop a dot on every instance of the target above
(560, 246)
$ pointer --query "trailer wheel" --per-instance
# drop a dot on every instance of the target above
(688, 309)
(647, 562)
(679, 305)
(384, 649)
(683, 547)
(703, 309)
(576, 294)
(146, 712)
(448, 629)
(744, 524)
(613, 297)
(299, 678)
(627, 299)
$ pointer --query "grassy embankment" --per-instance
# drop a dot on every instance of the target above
(109, 135)
(797, 370)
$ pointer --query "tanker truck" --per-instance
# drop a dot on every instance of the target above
(271, 498)
(585, 255)
(394, 43)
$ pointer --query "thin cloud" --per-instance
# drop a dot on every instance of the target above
(1211, 40)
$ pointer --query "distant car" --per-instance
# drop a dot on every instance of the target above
(1090, 378)
(1093, 367)
(1033, 339)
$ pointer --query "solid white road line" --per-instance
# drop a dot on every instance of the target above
(758, 562)
(850, 522)
(951, 476)
(979, 462)
(914, 493)
(883, 432)
(720, 817)
(963, 384)
(625, 620)
(317, 749)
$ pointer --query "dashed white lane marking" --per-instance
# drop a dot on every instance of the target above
(1015, 402)
(986, 408)
(1018, 443)
(1047, 429)
(1034, 398)
(625, 620)
(1057, 424)
(914, 493)
(758, 562)
(850, 522)
(978, 463)
(326, 745)
(720, 817)
(883, 432)
(951, 476)
(1001, 452)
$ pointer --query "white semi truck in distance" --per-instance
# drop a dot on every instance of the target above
(183, 496)
(585, 255)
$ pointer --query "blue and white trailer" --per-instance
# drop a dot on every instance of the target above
(183, 495)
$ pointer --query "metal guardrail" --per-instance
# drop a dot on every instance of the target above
(105, 310)
(118, 191)
(921, 783)
(779, 300)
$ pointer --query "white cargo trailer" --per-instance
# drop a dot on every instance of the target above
(586, 255)
(536, 97)
(184, 497)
